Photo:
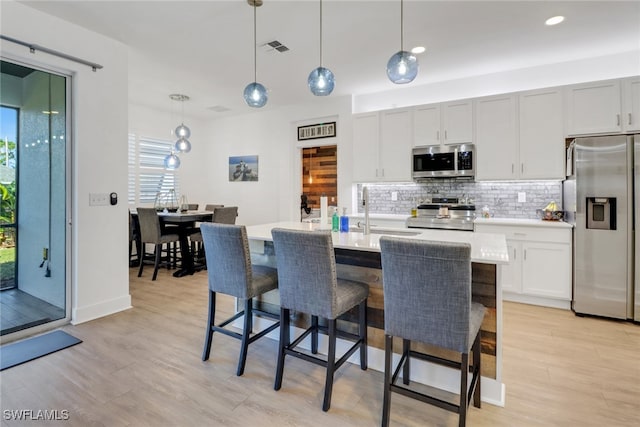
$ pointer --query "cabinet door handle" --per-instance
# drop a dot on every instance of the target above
(445, 134)
(629, 118)
(376, 172)
(618, 119)
(514, 254)
(513, 168)
(521, 167)
(382, 172)
(525, 255)
(438, 135)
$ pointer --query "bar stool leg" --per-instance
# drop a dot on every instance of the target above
(284, 343)
(246, 333)
(363, 334)
(210, 322)
(464, 374)
(386, 402)
(476, 368)
(331, 359)
(406, 370)
(314, 334)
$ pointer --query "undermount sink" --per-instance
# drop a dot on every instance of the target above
(385, 231)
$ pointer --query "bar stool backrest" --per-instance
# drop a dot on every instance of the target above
(427, 291)
(306, 271)
(228, 259)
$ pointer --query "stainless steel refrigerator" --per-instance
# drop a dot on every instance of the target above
(600, 202)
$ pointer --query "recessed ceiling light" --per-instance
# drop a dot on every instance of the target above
(418, 49)
(554, 20)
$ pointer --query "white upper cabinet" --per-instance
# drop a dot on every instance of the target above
(446, 123)
(396, 135)
(541, 145)
(382, 146)
(594, 108)
(426, 125)
(631, 102)
(496, 137)
(366, 141)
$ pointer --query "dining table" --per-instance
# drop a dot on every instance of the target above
(183, 224)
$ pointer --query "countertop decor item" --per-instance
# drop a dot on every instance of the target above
(255, 94)
(551, 212)
(403, 66)
(321, 80)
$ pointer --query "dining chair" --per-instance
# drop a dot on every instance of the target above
(427, 299)
(230, 272)
(308, 283)
(221, 215)
(151, 232)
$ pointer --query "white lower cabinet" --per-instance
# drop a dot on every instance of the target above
(540, 269)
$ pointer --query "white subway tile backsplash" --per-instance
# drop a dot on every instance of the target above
(500, 197)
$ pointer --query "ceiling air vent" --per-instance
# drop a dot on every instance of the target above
(276, 45)
(218, 109)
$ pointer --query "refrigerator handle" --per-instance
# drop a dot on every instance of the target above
(618, 119)
(629, 118)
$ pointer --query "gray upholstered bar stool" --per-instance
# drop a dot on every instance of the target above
(427, 298)
(230, 272)
(307, 283)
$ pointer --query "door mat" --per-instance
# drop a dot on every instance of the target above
(31, 348)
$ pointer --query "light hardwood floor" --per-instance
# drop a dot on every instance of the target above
(142, 367)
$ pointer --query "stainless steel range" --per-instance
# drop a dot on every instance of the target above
(444, 213)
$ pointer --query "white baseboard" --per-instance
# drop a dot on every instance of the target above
(105, 308)
(535, 300)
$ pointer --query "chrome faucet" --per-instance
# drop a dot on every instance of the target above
(365, 203)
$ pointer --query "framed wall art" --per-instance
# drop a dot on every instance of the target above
(320, 130)
(243, 168)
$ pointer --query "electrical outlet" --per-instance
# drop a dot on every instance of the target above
(522, 197)
(98, 199)
(394, 196)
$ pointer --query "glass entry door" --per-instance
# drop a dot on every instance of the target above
(34, 205)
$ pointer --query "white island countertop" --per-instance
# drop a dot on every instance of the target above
(487, 248)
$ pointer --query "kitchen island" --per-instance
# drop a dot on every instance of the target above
(358, 258)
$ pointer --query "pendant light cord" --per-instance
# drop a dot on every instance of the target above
(255, 43)
(401, 25)
(321, 33)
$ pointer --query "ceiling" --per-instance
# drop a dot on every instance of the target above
(204, 49)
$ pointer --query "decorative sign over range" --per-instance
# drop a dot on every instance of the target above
(321, 130)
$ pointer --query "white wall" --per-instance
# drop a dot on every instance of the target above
(272, 135)
(584, 70)
(99, 235)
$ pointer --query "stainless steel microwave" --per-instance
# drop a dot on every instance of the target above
(448, 161)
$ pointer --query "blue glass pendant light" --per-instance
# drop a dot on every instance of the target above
(255, 94)
(321, 81)
(402, 66)
(171, 162)
(183, 133)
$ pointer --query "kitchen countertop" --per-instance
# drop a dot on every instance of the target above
(522, 222)
(487, 248)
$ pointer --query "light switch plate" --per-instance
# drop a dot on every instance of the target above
(98, 199)
(522, 197)
(394, 196)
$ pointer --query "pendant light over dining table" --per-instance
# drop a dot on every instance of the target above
(255, 94)
(402, 66)
(183, 133)
(321, 80)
